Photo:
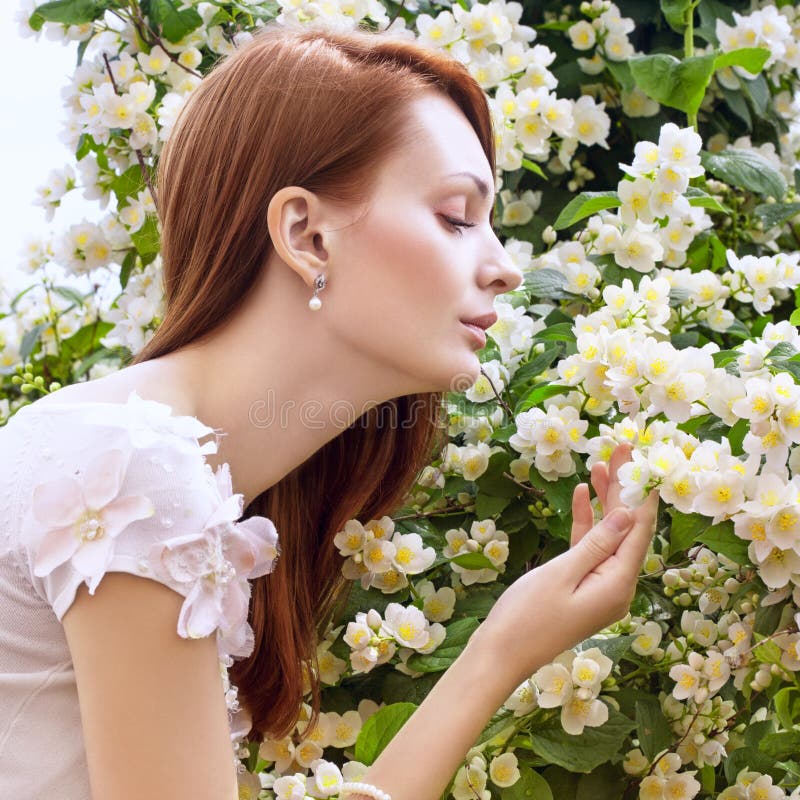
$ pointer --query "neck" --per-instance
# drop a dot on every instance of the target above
(282, 388)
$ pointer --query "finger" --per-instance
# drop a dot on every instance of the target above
(620, 456)
(600, 483)
(601, 542)
(633, 550)
(582, 513)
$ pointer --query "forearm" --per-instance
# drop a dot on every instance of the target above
(420, 760)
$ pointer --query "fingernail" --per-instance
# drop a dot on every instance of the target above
(619, 520)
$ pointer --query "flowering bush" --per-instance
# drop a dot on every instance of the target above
(648, 158)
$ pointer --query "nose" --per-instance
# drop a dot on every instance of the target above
(500, 272)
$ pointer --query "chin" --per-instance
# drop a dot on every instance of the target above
(463, 374)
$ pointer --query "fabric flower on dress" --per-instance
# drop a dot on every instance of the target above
(217, 562)
(84, 516)
(147, 421)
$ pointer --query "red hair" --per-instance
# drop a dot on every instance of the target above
(319, 110)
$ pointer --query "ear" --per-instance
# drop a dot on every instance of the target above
(297, 226)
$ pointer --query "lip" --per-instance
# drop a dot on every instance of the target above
(485, 321)
(477, 333)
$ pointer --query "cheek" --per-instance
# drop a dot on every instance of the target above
(416, 258)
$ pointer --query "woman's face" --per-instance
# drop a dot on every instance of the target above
(404, 276)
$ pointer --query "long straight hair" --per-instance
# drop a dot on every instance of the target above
(319, 110)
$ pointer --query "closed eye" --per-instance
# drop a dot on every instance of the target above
(457, 224)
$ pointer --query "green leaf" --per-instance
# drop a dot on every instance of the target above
(68, 293)
(129, 183)
(751, 58)
(614, 647)
(721, 539)
(530, 786)
(536, 366)
(782, 745)
(700, 199)
(174, 23)
(487, 505)
(684, 529)
(70, 12)
(146, 239)
(128, 263)
(380, 729)
(787, 706)
(780, 351)
(671, 82)
(533, 167)
(758, 92)
(449, 650)
(746, 757)
(36, 21)
(559, 332)
(737, 104)
(501, 725)
(745, 169)
(472, 561)
(584, 205)
(674, 12)
(546, 283)
(564, 784)
(538, 395)
(97, 355)
(736, 435)
(604, 783)
(652, 727)
(479, 602)
(399, 688)
(773, 214)
(558, 493)
(622, 72)
(585, 752)
(795, 318)
(30, 339)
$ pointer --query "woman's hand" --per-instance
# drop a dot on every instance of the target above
(591, 585)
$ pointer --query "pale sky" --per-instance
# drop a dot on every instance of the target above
(34, 71)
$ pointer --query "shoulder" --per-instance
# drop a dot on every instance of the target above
(124, 487)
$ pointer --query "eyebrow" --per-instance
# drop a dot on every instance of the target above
(483, 187)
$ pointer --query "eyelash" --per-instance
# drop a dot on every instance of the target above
(457, 224)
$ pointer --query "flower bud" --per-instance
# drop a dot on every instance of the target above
(763, 679)
(701, 694)
(669, 578)
(549, 235)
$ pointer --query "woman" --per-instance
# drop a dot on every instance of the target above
(329, 259)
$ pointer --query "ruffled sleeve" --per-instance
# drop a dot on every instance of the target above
(126, 488)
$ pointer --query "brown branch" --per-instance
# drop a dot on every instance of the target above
(156, 39)
(396, 13)
(500, 400)
(139, 156)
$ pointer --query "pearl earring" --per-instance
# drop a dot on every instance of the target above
(319, 283)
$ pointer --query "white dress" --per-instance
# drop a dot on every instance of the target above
(93, 487)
